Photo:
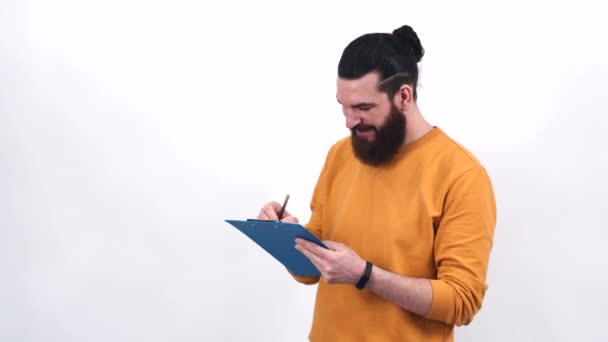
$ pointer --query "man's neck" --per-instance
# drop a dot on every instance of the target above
(416, 126)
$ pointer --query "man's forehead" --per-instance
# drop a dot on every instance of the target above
(361, 89)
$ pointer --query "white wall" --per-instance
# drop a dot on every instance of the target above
(130, 129)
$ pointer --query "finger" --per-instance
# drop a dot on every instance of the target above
(270, 212)
(314, 248)
(290, 219)
(277, 208)
(261, 215)
(335, 246)
(274, 206)
(285, 213)
(315, 259)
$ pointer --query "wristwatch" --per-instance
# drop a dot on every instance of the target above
(365, 277)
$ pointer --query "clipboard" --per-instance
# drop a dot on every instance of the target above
(278, 239)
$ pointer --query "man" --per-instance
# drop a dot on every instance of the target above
(408, 214)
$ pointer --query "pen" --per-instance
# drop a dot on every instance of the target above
(280, 215)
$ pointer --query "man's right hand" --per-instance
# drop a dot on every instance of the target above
(271, 210)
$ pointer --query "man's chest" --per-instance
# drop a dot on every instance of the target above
(382, 217)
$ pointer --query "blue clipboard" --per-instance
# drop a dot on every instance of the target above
(278, 239)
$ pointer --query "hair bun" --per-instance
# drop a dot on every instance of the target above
(408, 38)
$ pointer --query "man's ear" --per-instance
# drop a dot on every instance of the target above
(404, 97)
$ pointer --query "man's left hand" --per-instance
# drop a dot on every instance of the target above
(338, 264)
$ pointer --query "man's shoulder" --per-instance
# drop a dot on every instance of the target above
(457, 153)
(340, 150)
(451, 160)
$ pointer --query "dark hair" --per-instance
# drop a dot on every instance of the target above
(394, 56)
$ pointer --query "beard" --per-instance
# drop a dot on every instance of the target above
(388, 139)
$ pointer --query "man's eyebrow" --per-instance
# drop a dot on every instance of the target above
(360, 105)
(364, 105)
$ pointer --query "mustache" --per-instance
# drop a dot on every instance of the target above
(364, 128)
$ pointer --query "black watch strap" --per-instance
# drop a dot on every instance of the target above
(365, 277)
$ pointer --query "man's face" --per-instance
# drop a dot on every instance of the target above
(377, 126)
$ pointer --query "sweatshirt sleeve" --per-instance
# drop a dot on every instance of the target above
(462, 248)
(315, 224)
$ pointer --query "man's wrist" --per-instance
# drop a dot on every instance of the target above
(364, 279)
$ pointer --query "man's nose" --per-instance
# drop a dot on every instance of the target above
(352, 120)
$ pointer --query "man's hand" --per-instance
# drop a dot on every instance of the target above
(341, 265)
(338, 264)
(271, 210)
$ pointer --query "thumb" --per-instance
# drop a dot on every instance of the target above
(289, 219)
(336, 246)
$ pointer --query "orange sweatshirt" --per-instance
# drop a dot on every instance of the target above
(430, 214)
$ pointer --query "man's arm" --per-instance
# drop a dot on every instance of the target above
(341, 265)
(270, 212)
(462, 247)
(413, 294)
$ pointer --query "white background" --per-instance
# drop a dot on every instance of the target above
(129, 130)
